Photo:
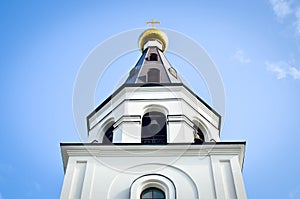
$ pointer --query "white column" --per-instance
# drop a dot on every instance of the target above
(127, 130)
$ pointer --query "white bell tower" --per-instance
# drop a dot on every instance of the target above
(153, 138)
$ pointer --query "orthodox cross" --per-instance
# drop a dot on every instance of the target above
(152, 22)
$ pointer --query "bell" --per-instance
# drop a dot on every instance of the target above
(197, 138)
(154, 126)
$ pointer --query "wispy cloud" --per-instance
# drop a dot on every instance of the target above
(1, 197)
(284, 8)
(297, 23)
(277, 68)
(283, 69)
(294, 72)
(240, 57)
(281, 8)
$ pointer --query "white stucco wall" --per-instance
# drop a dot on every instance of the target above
(196, 171)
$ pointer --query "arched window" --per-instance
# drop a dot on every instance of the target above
(161, 186)
(154, 130)
(108, 136)
(152, 193)
(153, 75)
(153, 57)
(198, 135)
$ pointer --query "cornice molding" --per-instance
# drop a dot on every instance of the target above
(137, 150)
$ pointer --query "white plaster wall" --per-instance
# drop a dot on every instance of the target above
(194, 174)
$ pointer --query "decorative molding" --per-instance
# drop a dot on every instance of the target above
(158, 181)
(138, 150)
(125, 87)
(128, 118)
(206, 110)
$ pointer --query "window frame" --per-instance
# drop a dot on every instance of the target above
(152, 180)
(152, 191)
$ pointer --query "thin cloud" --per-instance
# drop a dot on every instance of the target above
(281, 8)
(240, 57)
(283, 69)
(278, 69)
(1, 197)
(297, 23)
(294, 72)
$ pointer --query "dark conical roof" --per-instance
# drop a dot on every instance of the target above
(153, 67)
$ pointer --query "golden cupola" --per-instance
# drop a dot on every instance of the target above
(153, 34)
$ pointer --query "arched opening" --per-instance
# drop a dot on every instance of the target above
(108, 136)
(152, 193)
(160, 182)
(154, 130)
(153, 75)
(198, 135)
(153, 57)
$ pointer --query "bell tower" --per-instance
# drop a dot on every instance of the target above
(153, 138)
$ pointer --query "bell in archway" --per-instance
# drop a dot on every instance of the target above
(154, 126)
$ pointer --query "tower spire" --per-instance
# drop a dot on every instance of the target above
(153, 66)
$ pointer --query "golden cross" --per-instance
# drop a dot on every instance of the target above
(152, 22)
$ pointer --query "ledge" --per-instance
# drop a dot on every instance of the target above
(99, 150)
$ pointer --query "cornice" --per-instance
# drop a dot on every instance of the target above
(99, 150)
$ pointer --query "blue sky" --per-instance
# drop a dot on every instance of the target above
(255, 45)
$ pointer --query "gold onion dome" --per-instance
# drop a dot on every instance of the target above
(153, 34)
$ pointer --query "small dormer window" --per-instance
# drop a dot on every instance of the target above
(153, 75)
(153, 57)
